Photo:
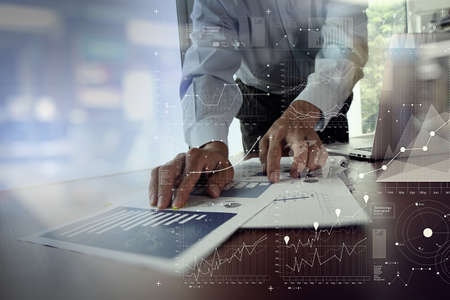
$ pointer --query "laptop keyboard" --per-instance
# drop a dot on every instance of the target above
(368, 149)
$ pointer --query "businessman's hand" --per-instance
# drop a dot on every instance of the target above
(293, 131)
(177, 178)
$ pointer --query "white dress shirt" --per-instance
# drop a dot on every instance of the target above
(316, 46)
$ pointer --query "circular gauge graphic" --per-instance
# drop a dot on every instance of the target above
(442, 261)
(423, 229)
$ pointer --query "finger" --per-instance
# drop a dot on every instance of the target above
(195, 163)
(273, 159)
(153, 187)
(313, 156)
(300, 154)
(263, 147)
(179, 162)
(323, 156)
(219, 180)
(168, 178)
(191, 176)
(166, 181)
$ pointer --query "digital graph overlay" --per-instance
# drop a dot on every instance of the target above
(442, 261)
(394, 275)
(216, 101)
(423, 231)
(323, 255)
(243, 260)
(291, 73)
(425, 148)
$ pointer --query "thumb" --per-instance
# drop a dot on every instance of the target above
(218, 180)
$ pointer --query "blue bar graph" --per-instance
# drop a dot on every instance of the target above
(161, 233)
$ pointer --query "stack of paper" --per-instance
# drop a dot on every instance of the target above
(320, 198)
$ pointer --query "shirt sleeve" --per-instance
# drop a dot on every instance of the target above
(338, 65)
(210, 98)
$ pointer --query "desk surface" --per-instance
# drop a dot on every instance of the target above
(363, 261)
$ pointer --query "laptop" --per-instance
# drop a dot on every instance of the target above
(405, 100)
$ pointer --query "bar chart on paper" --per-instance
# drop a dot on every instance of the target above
(160, 233)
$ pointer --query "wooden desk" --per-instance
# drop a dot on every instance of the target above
(30, 271)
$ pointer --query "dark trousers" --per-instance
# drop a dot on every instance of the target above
(259, 111)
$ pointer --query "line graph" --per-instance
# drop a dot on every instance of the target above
(310, 241)
(349, 250)
(406, 280)
(332, 112)
(424, 148)
(224, 264)
(326, 255)
(397, 275)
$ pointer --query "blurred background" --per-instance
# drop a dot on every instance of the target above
(90, 87)
(87, 88)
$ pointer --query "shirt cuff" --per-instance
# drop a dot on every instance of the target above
(207, 131)
(320, 98)
(328, 87)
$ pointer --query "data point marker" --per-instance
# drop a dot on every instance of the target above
(366, 198)
(316, 225)
(427, 232)
(338, 212)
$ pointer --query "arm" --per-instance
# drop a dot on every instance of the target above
(210, 98)
(338, 66)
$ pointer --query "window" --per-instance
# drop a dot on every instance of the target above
(385, 18)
